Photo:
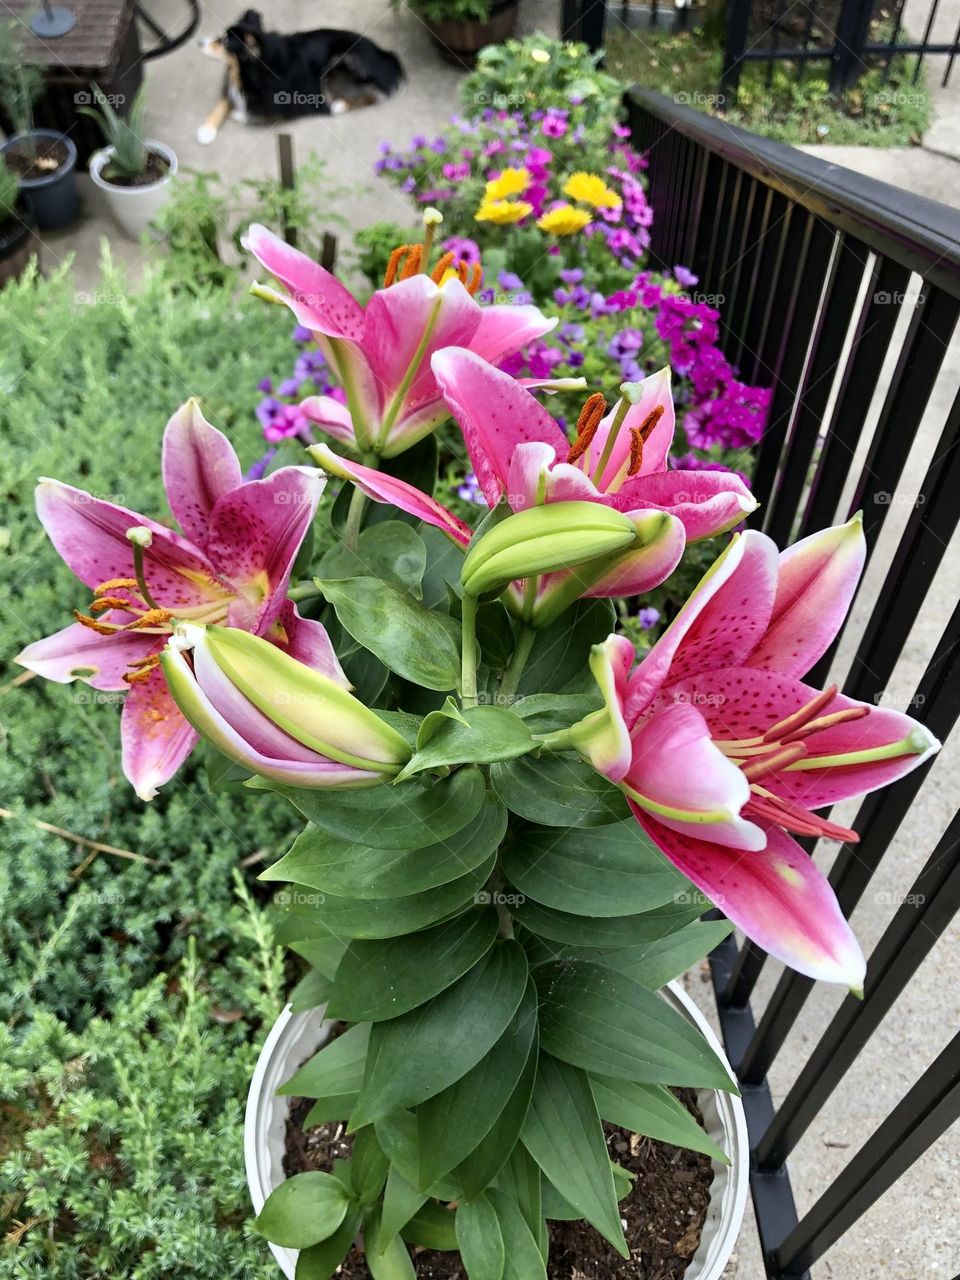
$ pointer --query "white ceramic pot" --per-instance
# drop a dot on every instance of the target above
(134, 208)
(297, 1036)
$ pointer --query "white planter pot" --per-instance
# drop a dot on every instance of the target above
(297, 1036)
(134, 208)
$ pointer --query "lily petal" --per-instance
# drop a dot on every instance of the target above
(199, 466)
(495, 415)
(816, 583)
(330, 416)
(505, 329)
(535, 477)
(306, 640)
(655, 395)
(155, 737)
(660, 545)
(680, 778)
(707, 502)
(317, 298)
(77, 653)
(776, 895)
(603, 737)
(721, 623)
(255, 534)
(380, 487)
(91, 536)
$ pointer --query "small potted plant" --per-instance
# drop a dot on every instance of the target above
(132, 171)
(44, 160)
(461, 28)
(18, 240)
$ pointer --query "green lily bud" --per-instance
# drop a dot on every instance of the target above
(544, 539)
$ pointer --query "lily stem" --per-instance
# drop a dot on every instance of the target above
(559, 740)
(468, 675)
(517, 664)
(351, 530)
(307, 591)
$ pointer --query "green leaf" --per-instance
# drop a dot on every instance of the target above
(484, 1163)
(410, 816)
(401, 1200)
(392, 551)
(546, 712)
(520, 1179)
(389, 917)
(564, 1135)
(452, 1123)
(656, 963)
(321, 953)
(336, 1069)
(489, 734)
(560, 1210)
(608, 1024)
(433, 1226)
(611, 871)
(321, 1261)
(310, 992)
(421, 645)
(557, 790)
(602, 931)
(398, 1137)
(561, 652)
(337, 1107)
(383, 979)
(480, 1239)
(386, 1259)
(653, 1111)
(303, 1210)
(416, 1055)
(522, 1257)
(223, 774)
(444, 562)
(368, 1166)
(320, 859)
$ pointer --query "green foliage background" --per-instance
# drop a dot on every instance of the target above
(132, 995)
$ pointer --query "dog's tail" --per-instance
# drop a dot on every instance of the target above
(368, 63)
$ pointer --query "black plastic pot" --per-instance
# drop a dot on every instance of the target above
(51, 199)
(18, 243)
(461, 39)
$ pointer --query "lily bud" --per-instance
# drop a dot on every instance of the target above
(545, 539)
(275, 715)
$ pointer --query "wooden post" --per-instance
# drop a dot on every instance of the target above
(287, 180)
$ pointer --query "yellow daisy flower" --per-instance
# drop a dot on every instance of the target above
(591, 189)
(512, 182)
(502, 212)
(564, 220)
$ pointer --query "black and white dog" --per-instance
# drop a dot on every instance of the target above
(270, 75)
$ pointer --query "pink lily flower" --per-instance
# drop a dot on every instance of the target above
(233, 565)
(381, 353)
(721, 749)
(518, 451)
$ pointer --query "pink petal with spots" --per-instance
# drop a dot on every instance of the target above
(720, 624)
(255, 534)
(155, 737)
(75, 649)
(776, 895)
(91, 536)
(707, 502)
(495, 415)
(380, 487)
(686, 783)
(199, 466)
(816, 583)
(603, 738)
(655, 394)
(320, 301)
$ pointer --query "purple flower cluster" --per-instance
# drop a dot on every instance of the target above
(279, 410)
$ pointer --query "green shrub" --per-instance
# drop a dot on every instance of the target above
(123, 1086)
(537, 73)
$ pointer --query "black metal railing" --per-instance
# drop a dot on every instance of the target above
(844, 36)
(842, 294)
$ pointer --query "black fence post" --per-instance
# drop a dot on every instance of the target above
(593, 19)
(846, 63)
(735, 43)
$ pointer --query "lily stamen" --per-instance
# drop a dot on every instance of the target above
(790, 724)
(775, 760)
(793, 817)
(827, 722)
(587, 423)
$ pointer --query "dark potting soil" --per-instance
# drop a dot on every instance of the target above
(156, 169)
(664, 1213)
(45, 157)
